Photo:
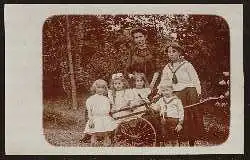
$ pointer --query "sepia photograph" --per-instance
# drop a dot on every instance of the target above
(124, 79)
(136, 80)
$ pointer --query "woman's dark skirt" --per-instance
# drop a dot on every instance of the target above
(193, 126)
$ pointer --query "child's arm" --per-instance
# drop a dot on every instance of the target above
(194, 77)
(180, 111)
(165, 78)
(89, 108)
(110, 97)
(156, 106)
(90, 114)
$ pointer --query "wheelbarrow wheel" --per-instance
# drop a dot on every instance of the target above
(137, 132)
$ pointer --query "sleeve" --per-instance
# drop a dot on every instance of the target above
(147, 92)
(157, 62)
(155, 65)
(89, 108)
(194, 77)
(156, 58)
(110, 97)
(165, 77)
(180, 110)
(129, 63)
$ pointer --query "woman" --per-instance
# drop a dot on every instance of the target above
(143, 57)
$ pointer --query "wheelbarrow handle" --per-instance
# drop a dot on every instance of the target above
(203, 101)
(136, 106)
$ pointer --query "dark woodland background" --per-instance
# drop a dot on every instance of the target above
(100, 49)
(99, 45)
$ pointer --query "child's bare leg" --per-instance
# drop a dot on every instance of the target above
(107, 140)
(93, 140)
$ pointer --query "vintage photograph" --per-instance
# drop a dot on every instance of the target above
(147, 80)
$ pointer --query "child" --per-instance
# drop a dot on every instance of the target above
(100, 123)
(140, 91)
(186, 85)
(172, 113)
(119, 95)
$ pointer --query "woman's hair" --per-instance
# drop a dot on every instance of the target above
(138, 30)
(100, 83)
(141, 76)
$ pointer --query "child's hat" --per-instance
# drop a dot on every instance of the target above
(175, 45)
(139, 75)
(100, 82)
(165, 85)
(117, 75)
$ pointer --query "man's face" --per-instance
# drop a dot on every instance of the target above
(139, 38)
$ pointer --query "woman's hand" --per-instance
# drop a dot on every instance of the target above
(178, 128)
(151, 86)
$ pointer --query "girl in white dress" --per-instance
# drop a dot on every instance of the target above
(140, 92)
(119, 95)
(100, 123)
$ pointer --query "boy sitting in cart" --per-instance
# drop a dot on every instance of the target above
(172, 114)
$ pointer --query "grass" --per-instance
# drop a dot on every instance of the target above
(64, 126)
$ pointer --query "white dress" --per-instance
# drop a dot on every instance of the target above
(144, 93)
(120, 100)
(99, 107)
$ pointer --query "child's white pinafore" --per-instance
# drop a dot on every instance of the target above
(99, 106)
(120, 100)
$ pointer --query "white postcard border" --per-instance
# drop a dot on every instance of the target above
(23, 76)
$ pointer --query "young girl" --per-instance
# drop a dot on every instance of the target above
(140, 91)
(100, 123)
(172, 113)
(186, 85)
(119, 95)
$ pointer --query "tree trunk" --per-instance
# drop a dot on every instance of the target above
(71, 68)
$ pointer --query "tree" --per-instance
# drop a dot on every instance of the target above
(100, 45)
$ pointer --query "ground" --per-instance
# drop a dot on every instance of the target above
(64, 126)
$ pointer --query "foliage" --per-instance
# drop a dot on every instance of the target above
(100, 45)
